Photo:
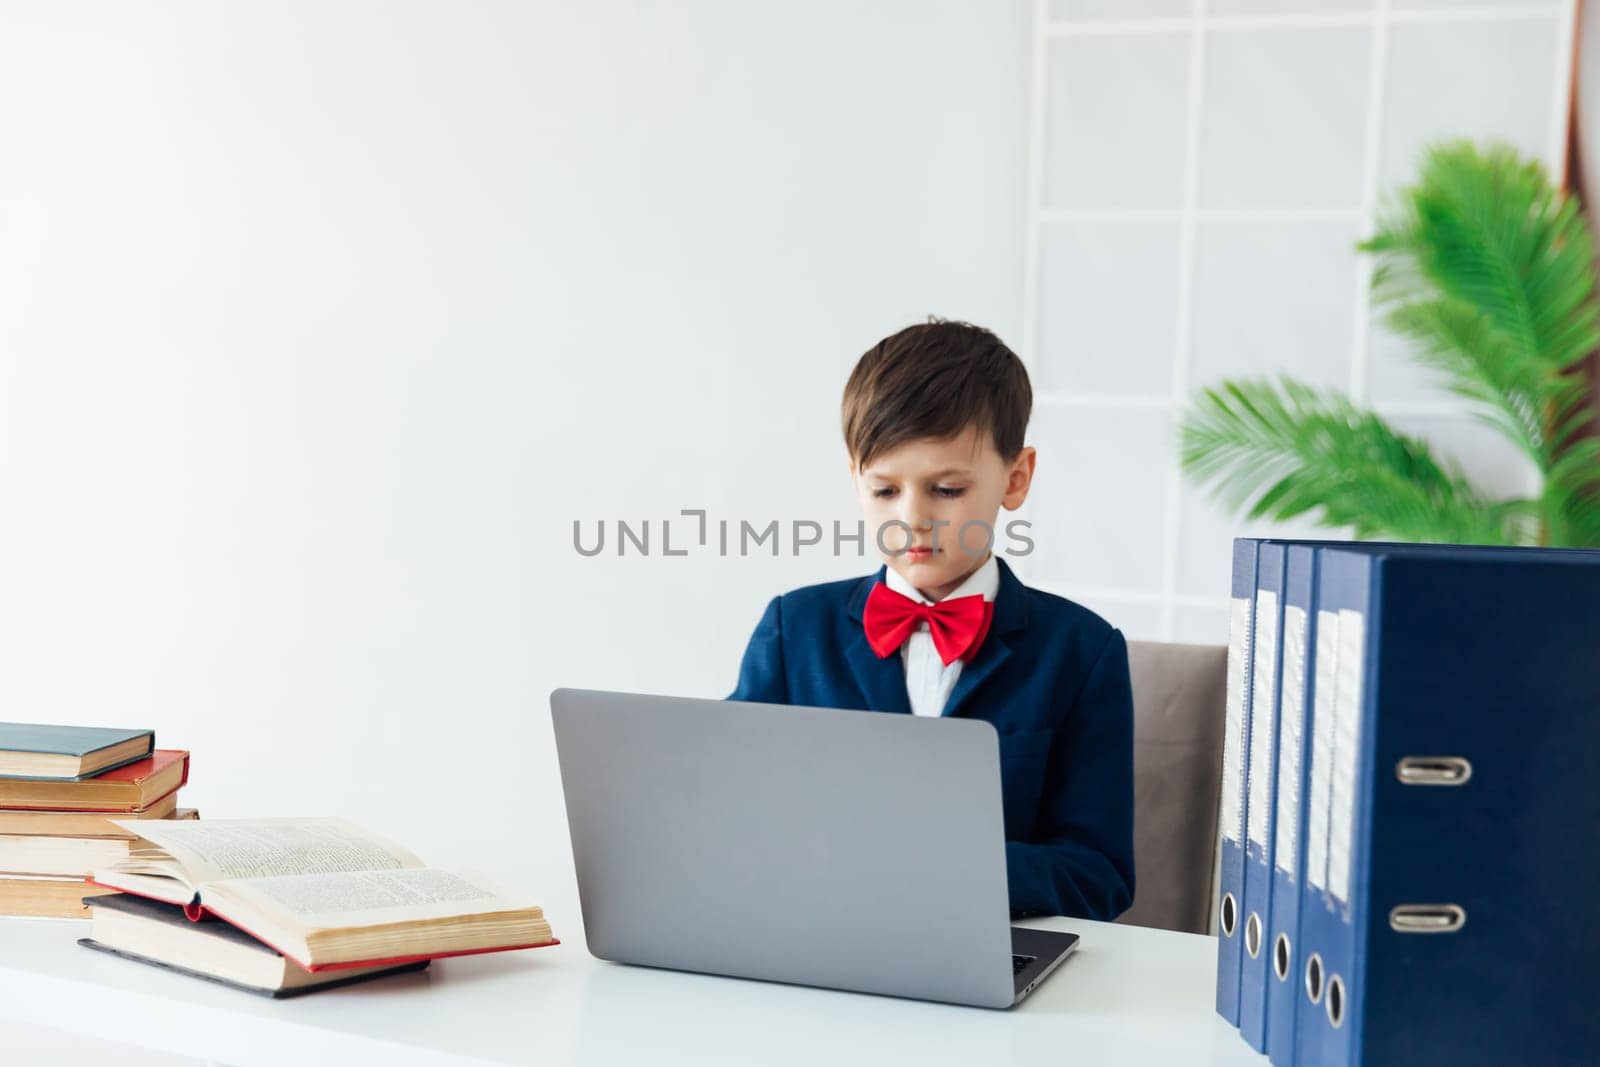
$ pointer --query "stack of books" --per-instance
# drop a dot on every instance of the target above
(61, 787)
(285, 906)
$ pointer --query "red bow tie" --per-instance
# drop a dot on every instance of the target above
(958, 626)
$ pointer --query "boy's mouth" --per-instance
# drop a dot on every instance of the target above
(918, 552)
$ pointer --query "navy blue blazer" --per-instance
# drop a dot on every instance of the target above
(1052, 676)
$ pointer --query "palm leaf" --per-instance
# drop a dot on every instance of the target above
(1283, 450)
(1490, 270)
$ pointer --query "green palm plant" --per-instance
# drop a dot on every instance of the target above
(1489, 270)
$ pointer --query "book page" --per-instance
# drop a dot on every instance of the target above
(1347, 715)
(344, 900)
(1241, 616)
(1291, 740)
(220, 849)
(1325, 677)
(1263, 718)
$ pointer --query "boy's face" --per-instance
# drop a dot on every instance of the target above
(935, 487)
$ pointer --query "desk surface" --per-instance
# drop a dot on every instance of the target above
(1128, 995)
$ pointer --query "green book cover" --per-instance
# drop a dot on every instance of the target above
(79, 741)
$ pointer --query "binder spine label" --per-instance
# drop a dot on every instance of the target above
(1239, 651)
(1290, 733)
(1347, 738)
(1321, 749)
(1263, 703)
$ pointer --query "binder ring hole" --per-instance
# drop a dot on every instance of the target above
(1280, 957)
(1433, 770)
(1314, 978)
(1230, 915)
(1336, 1001)
(1252, 935)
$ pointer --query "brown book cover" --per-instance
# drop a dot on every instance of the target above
(87, 823)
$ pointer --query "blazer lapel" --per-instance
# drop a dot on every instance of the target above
(1010, 616)
(882, 679)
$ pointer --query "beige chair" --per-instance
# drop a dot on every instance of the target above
(1178, 697)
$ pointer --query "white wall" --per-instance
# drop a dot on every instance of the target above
(320, 323)
(1203, 169)
(1586, 112)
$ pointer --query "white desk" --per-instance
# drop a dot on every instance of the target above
(1127, 996)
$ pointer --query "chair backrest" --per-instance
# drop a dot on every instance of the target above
(1178, 697)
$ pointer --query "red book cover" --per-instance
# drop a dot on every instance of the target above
(131, 787)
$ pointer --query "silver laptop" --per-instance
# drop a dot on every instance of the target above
(847, 849)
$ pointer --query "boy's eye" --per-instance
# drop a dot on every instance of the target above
(947, 491)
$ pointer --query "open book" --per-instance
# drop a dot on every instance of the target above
(324, 892)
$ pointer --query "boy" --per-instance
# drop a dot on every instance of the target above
(933, 420)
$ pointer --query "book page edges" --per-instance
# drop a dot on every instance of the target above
(186, 844)
(196, 910)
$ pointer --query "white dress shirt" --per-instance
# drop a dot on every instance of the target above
(928, 680)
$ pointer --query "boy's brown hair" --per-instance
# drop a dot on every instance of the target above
(935, 379)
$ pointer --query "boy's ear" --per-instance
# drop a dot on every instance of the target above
(1019, 478)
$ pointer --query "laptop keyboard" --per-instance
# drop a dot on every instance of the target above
(1019, 962)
